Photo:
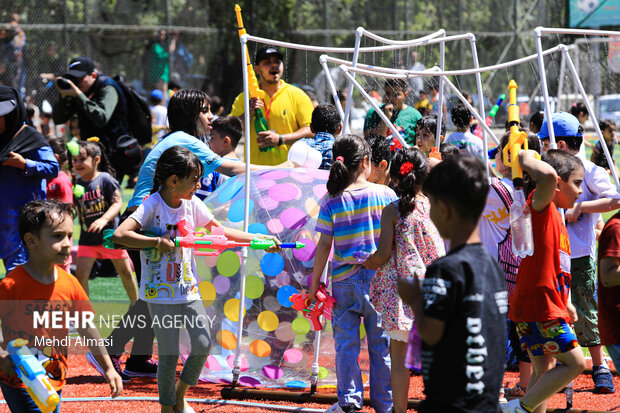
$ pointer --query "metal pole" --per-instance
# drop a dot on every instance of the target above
(543, 77)
(347, 111)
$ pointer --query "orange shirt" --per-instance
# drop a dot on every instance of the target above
(543, 280)
(20, 296)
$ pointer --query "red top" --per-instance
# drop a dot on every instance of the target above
(609, 297)
(20, 296)
(60, 188)
(543, 280)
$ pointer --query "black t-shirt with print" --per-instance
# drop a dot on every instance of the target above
(463, 372)
(97, 198)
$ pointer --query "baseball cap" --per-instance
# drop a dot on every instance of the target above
(264, 52)
(157, 94)
(80, 67)
(7, 106)
(564, 124)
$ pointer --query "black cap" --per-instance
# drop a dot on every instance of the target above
(80, 67)
(264, 52)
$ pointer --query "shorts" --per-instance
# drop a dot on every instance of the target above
(546, 338)
(583, 297)
(398, 335)
(100, 252)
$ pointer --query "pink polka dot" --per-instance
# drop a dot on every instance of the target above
(293, 218)
(249, 381)
(212, 364)
(272, 372)
(293, 356)
(306, 253)
(264, 184)
(302, 176)
(319, 190)
(318, 173)
(275, 226)
(284, 192)
(243, 364)
(268, 203)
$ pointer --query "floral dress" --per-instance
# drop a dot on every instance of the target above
(417, 243)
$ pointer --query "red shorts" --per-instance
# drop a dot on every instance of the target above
(101, 252)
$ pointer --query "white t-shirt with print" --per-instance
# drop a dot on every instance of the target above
(169, 278)
(495, 219)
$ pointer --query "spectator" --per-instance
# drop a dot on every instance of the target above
(159, 112)
(463, 138)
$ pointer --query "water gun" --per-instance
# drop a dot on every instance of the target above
(260, 123)
(314, 310)
(33, 375)
(517, 140)
(492, 113)
(210, 245)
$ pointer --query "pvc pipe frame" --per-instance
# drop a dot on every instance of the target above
(538, 32)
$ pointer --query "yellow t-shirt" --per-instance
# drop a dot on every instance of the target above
(289, 110)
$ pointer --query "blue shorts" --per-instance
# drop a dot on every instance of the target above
(546, 338)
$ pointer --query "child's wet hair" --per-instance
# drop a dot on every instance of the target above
(229, 126)
(429, 122)
(563, 162)
(36, 214)
(460, 182)
(605, 124)
(178, 161)
(184, 109)
(352, 149)
(533, 142)
(325, 118)
(449, 151)
(93, 149)
(408, 170)
(461, 116)
(379, 149)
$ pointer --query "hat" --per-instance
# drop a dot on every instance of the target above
(264, 52)
(564, 124)
(157, 94)
(80, 67)
(7, 106)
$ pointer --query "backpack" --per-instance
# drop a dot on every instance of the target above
(138, 113)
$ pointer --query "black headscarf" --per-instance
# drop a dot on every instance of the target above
(28, 139)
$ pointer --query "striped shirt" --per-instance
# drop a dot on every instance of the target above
(353, 218)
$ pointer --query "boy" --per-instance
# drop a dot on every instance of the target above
(463, 138)
(325, 125)
(423, 105)
(609, 288)
(460, 313)
(403, 117)
(45, 228)
(540, 302)
(225, 135)
(598, 195)
(426, 133)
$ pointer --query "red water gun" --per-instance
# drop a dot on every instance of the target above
(314, 310)
(213, 244)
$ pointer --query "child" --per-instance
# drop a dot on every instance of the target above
(61, 187)
(598, 156)
(350, 217)
(225, 135)
(494, 227)
(409, 242)
(536, 121)
(176, 180)
(381, 157)
(159, 113)
(326, 124)
(609, 288)
(98, 209)
(463, 138)
(448, 151)
(460, 312)
(403, 117)
(423, 106)
(45, 228)
(426, 133)
(540, 303)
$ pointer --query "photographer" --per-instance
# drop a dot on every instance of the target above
(97, 100)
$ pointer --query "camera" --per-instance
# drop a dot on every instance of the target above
(63, 84)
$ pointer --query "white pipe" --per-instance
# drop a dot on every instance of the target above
(246, 211)
(440, 32)
(473, 112)
(332, 86)
(593, 116)
(485, 141)
(376, 107)
(347, 110)
(585, 32)
(442, 63)
(190, 400)
(543, 78)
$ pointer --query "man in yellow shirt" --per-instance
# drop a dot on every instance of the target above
(287, 108)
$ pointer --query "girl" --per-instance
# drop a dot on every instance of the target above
(408, 243)
(608, 129)
(350, 217)
(98, 209)
(169, 279)
(381, 156)
(61, 187)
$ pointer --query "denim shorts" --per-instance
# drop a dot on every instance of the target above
(546, 338)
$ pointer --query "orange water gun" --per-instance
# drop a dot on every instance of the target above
(260, 122)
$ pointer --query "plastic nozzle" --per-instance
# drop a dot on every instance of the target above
(435, 153)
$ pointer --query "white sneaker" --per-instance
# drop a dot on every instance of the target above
(513, 406)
